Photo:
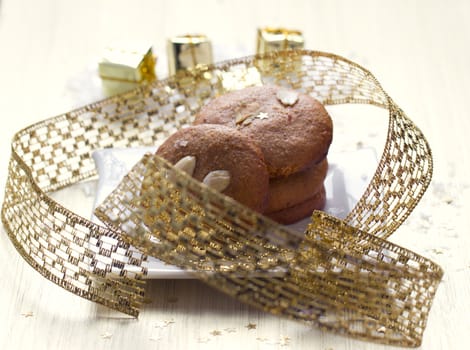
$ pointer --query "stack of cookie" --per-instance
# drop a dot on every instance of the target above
(265, 145)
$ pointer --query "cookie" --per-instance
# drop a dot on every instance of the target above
(287, 191)
(223, 158)
(292, 129)
(299, 211)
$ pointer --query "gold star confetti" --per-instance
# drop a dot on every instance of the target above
(251, 326)
(164, 323)
(160, 324)
(203, 340)
(215, 333)
(106, 335)
(27, 314)
(284, 341)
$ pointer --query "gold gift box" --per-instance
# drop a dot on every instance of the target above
(123, 69)
(187, 51)
(275, 39)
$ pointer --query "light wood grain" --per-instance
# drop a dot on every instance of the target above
(419, 50)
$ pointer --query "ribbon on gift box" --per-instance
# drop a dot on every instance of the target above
(342, 275)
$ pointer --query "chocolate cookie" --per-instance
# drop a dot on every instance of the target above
(222, 158)
(292, 129)
(299, 211)
(287, 191)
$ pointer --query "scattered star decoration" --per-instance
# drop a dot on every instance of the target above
(262, 115)
(106, 335)
(251, 326)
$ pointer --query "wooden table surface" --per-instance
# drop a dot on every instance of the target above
(419, 51)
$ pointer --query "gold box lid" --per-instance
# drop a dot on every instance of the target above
(130, 63)
(274, 39)
(188, 51)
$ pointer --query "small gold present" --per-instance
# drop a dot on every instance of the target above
(123, 69)
(275, 39)
(187, 51)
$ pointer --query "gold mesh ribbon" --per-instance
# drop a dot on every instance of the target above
(341, 275)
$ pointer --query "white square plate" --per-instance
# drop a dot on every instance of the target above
(348, 175)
